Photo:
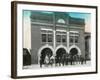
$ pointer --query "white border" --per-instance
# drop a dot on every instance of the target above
(21, 72)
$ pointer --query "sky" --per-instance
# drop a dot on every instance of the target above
(86, 16)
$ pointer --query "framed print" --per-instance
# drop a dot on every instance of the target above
(53, 39)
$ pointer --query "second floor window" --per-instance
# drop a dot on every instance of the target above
(74, 37)
(50, 37)
(61, 37)
(58, 38)
(46, 36)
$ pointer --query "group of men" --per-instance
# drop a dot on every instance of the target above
(62, 60)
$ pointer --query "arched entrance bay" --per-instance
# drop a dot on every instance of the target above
(73, 51)
(60, 57)
(42, 50)
(60, 52)
(46, 52)
(74, 54)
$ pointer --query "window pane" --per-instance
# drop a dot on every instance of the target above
(43, 37)
(58, 38)
(50, 37)
(71, 39)
(63, 38)
(76, 39)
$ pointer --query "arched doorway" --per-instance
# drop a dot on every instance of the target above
(74, 56)
(46, 52)
(73, 51)
(60, 52)
(60, 57)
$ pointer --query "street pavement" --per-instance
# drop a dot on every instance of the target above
(34, 66)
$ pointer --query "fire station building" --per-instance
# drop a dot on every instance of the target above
(56, 33)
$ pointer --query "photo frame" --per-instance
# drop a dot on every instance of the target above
(49, 39)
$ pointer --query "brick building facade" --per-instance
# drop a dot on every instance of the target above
(56, 33)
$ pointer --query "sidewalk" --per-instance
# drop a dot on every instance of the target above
(88, 63)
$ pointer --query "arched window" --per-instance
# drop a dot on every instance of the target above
(61, 21)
